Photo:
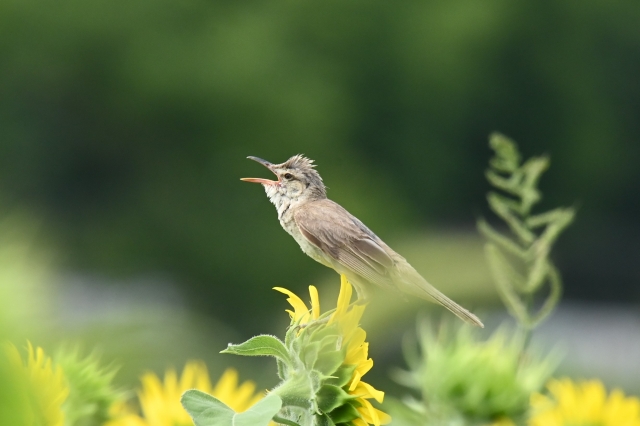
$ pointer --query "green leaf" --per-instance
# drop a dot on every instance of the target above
(263, 345)
(282, 369)
(507, 157)
(297, 389)
(206, 410)
(331, 397)
(521, 277)
(328, 362)
(284, 421)
(344, 413)
(261, 413)
(324, 420)
(341, 376)
(322, 332)
(330, 342)
(309, 354)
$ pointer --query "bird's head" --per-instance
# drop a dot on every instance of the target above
(297, 180)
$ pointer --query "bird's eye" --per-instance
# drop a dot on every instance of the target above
(288, 176)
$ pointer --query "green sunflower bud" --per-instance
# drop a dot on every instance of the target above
(468, 381)
(320, 362)
(91, 392)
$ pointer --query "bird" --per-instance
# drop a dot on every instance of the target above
(332, 236)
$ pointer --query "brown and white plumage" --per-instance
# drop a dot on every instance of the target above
(329, 234)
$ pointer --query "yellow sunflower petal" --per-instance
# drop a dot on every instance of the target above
(188, 375)
(244, 393)
(315, 302)
(45, 384)
(364, 367)
(357, 339)
(354, 381)
(201, 380)
(357, 354)
(365, 390)
(385, 419)
(301, 310)
(160, 400)
(344, 299)
(350, 321)
(372, 415)
(583, 403)
(227, 383)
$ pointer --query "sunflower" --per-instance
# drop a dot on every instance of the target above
(356, 359)
(160, 400)
(583, 404)
(45, 387)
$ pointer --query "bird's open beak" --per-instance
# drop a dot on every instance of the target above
(265, 163)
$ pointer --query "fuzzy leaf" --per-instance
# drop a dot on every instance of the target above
(283, 421)
(309, 354)
(344, 413)
(329, 362)
(282, 369)
(261, 413)
(330, 342)
(341, 376)
(331, 397)
(263, 345)
(324, 420)
(206, 410)
(321, 333)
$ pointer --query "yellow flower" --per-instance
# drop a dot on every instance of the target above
(347, 317)
(301, 314)
(160, 401)
(583, 404)
(45, 386)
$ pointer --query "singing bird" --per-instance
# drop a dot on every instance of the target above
(329, 234)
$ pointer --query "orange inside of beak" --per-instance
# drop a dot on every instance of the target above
(260, 180)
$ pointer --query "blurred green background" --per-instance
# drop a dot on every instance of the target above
(124, 127)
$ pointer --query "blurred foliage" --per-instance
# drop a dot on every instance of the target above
(463, 380)
(12, 407)
(25, 271)
(139, 326)
(63, 390)
(91, 390)
(42, 387)
(124, 126)
(520, 265)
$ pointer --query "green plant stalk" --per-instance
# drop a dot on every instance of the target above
(533, 235)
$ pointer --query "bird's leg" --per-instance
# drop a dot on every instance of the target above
(360, 301)
(363, 295)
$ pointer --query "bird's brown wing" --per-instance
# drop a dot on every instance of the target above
(344, 238)
(332, 229)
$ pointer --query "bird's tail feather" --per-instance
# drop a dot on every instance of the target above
(410, 281)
